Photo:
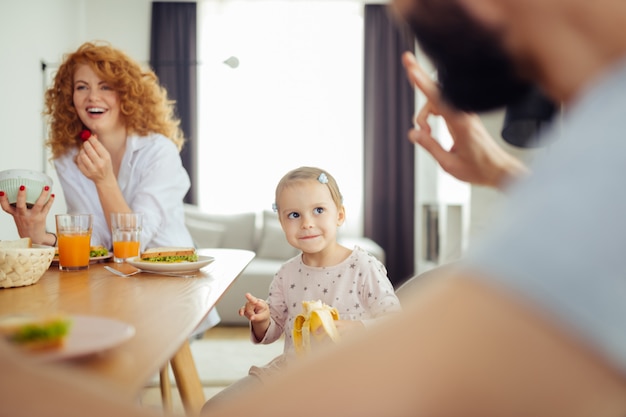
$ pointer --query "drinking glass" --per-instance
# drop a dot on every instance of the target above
(74, 240)
(126, 232)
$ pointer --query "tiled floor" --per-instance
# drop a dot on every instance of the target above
(151, 396)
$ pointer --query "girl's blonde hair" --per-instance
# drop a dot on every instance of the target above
(312, 174)
(144, 105)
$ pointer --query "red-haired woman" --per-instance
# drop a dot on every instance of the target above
(115, 144)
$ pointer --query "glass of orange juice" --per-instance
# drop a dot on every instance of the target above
(74, 240)
(126, 232)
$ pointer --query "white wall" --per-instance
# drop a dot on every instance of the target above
(32, 31)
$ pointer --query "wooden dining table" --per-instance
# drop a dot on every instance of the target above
(163, 310)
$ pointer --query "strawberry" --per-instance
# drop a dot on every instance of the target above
(85, 134)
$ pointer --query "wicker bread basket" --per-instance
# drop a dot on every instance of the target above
(24, 266)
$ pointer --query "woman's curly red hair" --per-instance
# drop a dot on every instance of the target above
(144, 105)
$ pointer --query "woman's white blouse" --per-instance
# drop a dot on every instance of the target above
(152, 180)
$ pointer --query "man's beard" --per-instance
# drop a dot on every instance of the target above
(474, 72)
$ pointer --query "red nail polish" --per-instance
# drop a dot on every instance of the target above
(52, 195)
(22, 188)
(47, 188)
(1, 193)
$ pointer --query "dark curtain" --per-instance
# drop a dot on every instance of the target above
(389, 157)
(173, 59)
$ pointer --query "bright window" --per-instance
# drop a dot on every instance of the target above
(294, 99)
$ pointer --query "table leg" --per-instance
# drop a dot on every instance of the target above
(166, 388)
(188, 380)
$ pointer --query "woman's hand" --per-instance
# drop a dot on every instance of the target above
(474, 156)
(258, 312)
(31, 222)
(94, 161)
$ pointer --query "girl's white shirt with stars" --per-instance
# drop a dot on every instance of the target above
(358, 288)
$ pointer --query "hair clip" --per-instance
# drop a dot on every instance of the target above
(323, 178)
(275, 207)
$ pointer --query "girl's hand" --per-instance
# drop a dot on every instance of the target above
(30, 222)
(255, 309)
(258, 312)
(94, 161)
(474, 156)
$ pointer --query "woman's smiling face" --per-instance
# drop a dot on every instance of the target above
(96, 103)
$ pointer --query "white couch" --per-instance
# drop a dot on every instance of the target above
(260, 233)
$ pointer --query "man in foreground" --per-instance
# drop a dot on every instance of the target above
(531, 324)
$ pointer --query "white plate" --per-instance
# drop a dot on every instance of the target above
(89, 334)
(172, 266)
(92, 260)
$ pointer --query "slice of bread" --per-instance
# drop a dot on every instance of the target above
(22, 243)
(167, 251)
(170, 254)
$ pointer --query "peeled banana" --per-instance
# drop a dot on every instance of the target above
(318, 320)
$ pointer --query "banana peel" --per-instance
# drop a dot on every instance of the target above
(314, 324)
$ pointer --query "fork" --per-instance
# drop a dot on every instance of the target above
(130, 274)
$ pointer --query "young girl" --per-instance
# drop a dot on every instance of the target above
(310, 210)
(115, 143)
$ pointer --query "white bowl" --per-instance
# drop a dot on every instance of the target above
(12, 179)
(24, 266)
